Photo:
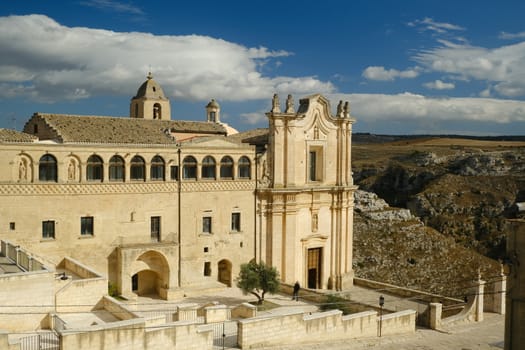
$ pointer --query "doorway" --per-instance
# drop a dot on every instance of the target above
(225, 272)
(314, 267)
(135, 283)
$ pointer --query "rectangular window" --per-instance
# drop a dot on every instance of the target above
(207, 268)
(174, 171)
(206, 224)
(12, 226)
(86, 226)
(313, 166)
(236, 222)
(48, 229)
(155, 228)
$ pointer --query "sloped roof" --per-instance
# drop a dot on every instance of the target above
(254, 136)
(96, 129)
(8, 135)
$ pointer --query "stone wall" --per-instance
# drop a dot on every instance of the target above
(297, 327)
(79, 295)
(26, 298)
(133, 334)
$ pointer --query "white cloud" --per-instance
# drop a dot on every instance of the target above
(503, 66)
(254, 118)
(413, 107)
(505, 35)
(433, 26)
(114, 6)
(439, 85)
(380, 73)
(46, 61)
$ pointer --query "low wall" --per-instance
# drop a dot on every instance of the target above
(80, 295)
(245, 310)
(405, 292)
(133, 334)
(217, 313)
(119, 310)
(401, 322)
(33, 290)
(4, 342)
(22, 258)
(294, 328)
(78, 268)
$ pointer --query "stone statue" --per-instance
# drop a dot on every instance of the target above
(347, 109)
(276, 106)
(340, 109)
(315, 222)
(71, 172)
(22, 170)
(289, 105)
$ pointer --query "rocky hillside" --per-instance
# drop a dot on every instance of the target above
(462, 188)
(392, 245)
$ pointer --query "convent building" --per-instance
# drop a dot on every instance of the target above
(158, 205)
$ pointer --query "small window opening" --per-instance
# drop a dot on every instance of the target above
(207, 268)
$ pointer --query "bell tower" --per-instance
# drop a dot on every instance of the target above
(150, 102)
(213, 112)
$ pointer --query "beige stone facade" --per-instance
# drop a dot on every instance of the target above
(158, 205)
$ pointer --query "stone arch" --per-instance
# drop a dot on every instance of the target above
(150, 273)
(224, 272)
(157, 110)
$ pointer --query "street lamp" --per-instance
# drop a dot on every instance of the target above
(381, 303)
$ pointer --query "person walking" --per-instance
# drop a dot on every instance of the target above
(296, 288)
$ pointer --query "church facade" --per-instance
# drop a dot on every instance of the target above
(159, 205)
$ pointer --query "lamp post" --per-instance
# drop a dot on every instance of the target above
(381, 303)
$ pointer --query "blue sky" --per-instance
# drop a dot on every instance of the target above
(406, 67)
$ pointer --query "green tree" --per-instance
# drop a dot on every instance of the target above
(258, 279)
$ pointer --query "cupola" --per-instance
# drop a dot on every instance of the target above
(150, 102)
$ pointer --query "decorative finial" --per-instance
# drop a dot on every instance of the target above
(150, 76)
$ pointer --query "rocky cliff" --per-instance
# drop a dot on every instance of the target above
(440, 211)
(464, 190)
(391, 245)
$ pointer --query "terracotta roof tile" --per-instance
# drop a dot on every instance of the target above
(8, 135)
(96, 129)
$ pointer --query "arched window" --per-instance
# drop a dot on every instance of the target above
(226, 168)
(137, 169)
(94, 169)
(116, 169)
(157, 111)
(208, 168)
(47, 168)
(189, 168)
(244, 168)
(157, 168)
